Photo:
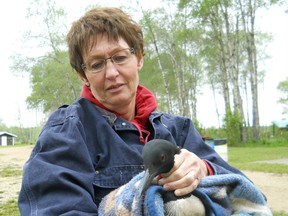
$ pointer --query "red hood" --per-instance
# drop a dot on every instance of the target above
(145, 104)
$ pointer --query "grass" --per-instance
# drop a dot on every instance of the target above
(249, 158)
(9, 208)
(10, 171)
(280, 214)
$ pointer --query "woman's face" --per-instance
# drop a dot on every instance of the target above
(115, 86)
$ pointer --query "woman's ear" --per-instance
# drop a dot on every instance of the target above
(83, 79)
(140, 62)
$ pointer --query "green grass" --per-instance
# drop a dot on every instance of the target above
(10, 171)
(9, 208)
(249, 158)
(280, 214)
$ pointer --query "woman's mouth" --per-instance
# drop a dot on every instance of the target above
(115, 88)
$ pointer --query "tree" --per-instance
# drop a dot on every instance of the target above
(176, 57)
(231, 52)
(52, 79)
(150, 28)
(198, 42)
(3, 127)
(248, 15)
(283, 88)
(53, 82)
(221, 49)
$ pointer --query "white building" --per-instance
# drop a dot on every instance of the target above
(6, 138)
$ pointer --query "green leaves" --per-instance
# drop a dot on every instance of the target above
(200, 42)
(53, 82)
(283, 87)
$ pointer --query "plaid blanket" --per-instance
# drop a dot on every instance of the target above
(229, 194)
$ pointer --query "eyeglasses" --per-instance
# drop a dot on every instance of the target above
(97, 65)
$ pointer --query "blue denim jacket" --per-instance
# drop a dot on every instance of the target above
(84, 152)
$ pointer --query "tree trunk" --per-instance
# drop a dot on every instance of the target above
(252, 62)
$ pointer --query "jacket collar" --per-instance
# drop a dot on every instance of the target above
(145, 104)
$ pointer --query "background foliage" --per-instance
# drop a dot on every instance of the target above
(188, 44)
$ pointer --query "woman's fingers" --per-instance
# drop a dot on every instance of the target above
(186, 174)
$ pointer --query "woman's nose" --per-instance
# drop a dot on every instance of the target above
(111, 70)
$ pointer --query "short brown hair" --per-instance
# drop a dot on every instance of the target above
(109, 21)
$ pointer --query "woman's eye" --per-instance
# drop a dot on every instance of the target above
(119, 58)
(97, 65)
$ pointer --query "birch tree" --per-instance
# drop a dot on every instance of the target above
(176, 53)
(52, 80)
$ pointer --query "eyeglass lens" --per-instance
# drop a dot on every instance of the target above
(120, 57)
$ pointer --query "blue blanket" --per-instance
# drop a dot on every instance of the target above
(218, 195)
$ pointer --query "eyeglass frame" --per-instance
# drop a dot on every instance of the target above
(132, 51)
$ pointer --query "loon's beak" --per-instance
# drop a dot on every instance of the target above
(146, 181)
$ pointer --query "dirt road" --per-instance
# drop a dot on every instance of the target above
(12, 158)
(274, 186)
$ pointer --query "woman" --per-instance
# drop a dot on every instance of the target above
(94, 145)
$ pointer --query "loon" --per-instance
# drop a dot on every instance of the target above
(158, 157)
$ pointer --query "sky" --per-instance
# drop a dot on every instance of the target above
(15, 89)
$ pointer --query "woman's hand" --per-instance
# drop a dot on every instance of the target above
(185, 175)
